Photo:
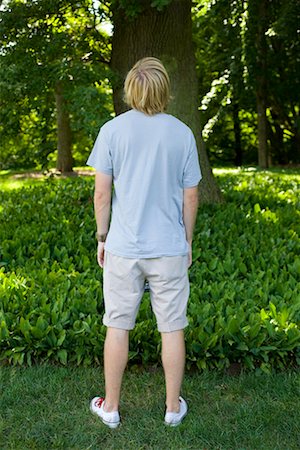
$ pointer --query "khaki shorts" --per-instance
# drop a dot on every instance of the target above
(123, 287)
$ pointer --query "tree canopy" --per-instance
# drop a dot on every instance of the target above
(57, 77)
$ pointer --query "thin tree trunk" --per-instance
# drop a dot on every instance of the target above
(296, 147)
(238, 159)
(296, 139)
(261, 87)
(276, 140)
(64, 161)
(166, 35)
(262, 131)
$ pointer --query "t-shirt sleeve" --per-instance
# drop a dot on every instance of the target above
(100, 157)
(192, 172)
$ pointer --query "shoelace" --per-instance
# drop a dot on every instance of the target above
(99, 402)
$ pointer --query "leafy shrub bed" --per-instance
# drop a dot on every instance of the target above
(245, 298)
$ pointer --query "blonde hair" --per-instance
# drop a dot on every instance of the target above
(147, 86)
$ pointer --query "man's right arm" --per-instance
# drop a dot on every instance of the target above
(190, 208)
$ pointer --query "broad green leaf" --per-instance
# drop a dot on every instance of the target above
(62, 356)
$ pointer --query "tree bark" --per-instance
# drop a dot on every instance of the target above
(262, 130)
(296, 142)
(275, 134)
(238, 158)
(166, 35)
(261, 85)
(64, 161)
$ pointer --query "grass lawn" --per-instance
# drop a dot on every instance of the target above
(47, 407)
(15, 180)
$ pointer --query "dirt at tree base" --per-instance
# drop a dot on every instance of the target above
(52, 173)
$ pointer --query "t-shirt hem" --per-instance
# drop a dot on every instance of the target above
(192, 184)
(145, 256)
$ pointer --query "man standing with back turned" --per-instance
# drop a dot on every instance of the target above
(151, 158)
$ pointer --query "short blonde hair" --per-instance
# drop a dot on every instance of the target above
(147, 86)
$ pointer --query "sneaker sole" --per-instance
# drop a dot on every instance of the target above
(111, 425)
(176, 423)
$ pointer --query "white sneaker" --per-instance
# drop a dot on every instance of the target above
(111, 419)
(173, 419)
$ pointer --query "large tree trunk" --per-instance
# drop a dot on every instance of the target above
(166, 35)
(261, 85)
(64, 161)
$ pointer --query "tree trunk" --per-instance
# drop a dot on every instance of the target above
(275, 134)
(296, 147)
(261, 85)
(64, 161)
(166, 35)
(238, 158)
(262, 130)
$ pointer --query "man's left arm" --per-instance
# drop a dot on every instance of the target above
(102, 205)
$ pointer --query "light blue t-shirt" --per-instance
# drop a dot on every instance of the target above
(152, 159)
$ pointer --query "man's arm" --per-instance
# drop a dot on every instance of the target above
(190, 208)
(102, 204)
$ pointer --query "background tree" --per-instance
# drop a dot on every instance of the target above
(284, 90)
(162, 29)
(258, 12)
(55, 77)
(47, 47)
(248, 61)
(273, 65)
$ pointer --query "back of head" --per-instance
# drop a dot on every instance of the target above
(147, 86)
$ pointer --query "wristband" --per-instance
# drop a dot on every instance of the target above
(101, 237)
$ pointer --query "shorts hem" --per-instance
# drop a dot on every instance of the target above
(122, 325)
(168, 327)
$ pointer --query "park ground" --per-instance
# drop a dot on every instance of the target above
(47, 407)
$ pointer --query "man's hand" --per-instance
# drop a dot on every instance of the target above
(100, 254)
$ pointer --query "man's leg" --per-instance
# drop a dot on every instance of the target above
(115, 360)
(173, 359)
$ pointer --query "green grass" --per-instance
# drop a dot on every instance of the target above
(17, 179)
(47, 407)
(10, 179)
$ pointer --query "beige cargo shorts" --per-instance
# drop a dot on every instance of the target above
(123, 288)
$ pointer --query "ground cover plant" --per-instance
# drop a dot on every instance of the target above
(47, 407)
(245, 301)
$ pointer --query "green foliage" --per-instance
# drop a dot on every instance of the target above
(49, 41)
(44, 43)
(228, 61)
(244, 304)
(132, 8)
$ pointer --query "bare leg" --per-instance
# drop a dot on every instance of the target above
(173, 359)
(115, 360)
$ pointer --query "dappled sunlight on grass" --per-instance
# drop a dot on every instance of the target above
(268, 189)
(233, 170)
(7, 185)
(10, 180)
